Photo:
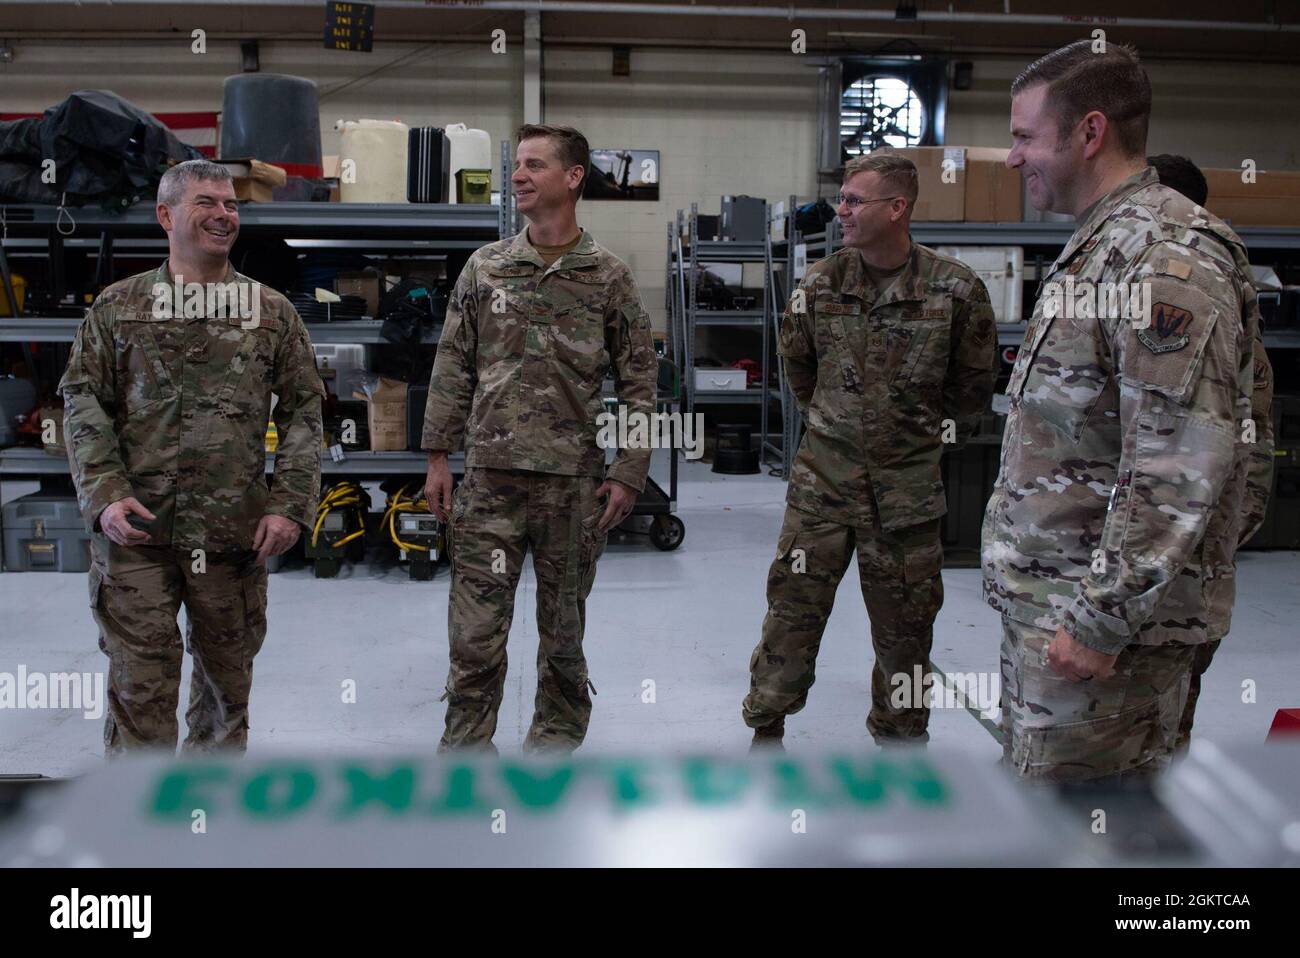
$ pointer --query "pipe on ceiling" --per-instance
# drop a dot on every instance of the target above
(718, 10)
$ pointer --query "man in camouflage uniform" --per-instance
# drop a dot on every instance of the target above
(1181, 174)
(890, 351)
(167, 396)
(534, 324)
(1128, 458)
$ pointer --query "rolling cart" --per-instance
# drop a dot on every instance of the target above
(666, 530)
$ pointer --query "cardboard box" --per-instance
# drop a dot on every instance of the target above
(386, 415)
(365, 285)
(937, 200)
(980, 188)
(397, 270)
(993, 192)
(1272, 200)
(254, 180)
(330, 173)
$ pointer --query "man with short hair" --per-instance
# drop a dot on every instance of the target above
(534, 324)
(1181, 174)
(1109, 539)
(890, 351)
(167, 395)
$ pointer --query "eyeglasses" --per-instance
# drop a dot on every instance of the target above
(853, 202)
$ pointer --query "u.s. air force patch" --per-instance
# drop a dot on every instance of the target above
(1170, 328)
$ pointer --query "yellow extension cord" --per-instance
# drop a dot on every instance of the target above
(401, 502)
(340, 495)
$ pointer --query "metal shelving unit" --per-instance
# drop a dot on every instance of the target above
(685, 266)
(1042, 236)
(63, 329)
(784, 252)
(25, 462)
(384, 227)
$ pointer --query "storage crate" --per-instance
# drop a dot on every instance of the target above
(711, 378)
(347, 363)
(473, 186)
(45, 533)
(1002, 268)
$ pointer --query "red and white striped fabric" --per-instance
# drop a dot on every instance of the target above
(198, 129)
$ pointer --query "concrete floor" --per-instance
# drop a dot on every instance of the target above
(685, 620)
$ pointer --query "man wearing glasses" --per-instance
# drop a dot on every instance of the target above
(890, 351)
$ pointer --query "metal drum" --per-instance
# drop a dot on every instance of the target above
(273, 118)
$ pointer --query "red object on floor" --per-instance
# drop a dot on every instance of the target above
(1285, 723)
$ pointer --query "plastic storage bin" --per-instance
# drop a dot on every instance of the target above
(1003, 270)
(45, 533)
(711, 378)
(348, 361)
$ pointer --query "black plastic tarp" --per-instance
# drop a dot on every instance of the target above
(106, 151)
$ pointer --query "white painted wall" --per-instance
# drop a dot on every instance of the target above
(1215, 113)
(723, 121)
(734, 123)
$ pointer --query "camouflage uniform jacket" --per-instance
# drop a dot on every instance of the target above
(875, 373)
(524, 354)
(173, 410)
(1125, 485)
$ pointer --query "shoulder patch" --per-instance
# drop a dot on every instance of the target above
(1170, 329)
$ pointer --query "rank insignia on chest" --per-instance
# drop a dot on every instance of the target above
(1170, 328)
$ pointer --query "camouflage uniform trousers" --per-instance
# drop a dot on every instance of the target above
(903, 590)
(1201, 660)
(497, 516)
(1118, 729)
(135, 595)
